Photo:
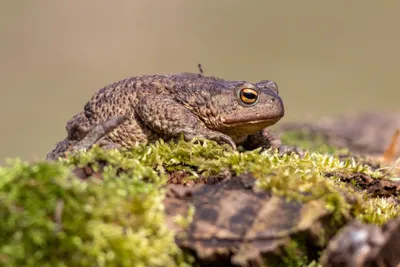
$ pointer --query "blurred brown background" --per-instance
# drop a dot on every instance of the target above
(328, 57)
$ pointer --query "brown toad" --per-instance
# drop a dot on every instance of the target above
(146, 108)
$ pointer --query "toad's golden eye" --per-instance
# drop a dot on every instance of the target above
(248, 96)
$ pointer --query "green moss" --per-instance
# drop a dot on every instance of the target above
(50, 218)
(301, 179)
(378, 210)
(295, 254)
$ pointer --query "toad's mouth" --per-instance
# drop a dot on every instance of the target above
(237, 121)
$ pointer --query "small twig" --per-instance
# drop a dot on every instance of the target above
(390, 153)
(200, 69)
(392, 149)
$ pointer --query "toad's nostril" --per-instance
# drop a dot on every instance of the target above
(272, 100)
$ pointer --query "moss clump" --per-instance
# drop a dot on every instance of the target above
(49, 218)
(301, 179)
(378, 210)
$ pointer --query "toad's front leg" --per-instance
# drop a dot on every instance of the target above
(171, 119)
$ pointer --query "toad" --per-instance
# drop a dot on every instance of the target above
(144, 109)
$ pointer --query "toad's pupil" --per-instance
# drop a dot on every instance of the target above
(249, 95)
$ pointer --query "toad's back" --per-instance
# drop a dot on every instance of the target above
(121, 97)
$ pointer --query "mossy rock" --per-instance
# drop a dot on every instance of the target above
(107, 208)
